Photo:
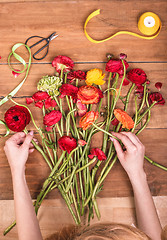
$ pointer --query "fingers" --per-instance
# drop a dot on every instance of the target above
(118, 149)
(31, 144)
(17, 138)
(31, 150)
(132, 137)
(28, 139)
(128, 143)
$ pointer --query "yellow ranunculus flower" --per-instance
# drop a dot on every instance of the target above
(95, 76)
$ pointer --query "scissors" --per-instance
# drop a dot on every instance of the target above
(47, 40)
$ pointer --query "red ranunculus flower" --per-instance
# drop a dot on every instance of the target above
(50, 103)
(39, 104)
(62, 63)
(89, 94)
(98, 153)
(125, 82)
(137, 76)
(67, 143)
(41, 98)
(17, 118)
(115, 122)
(156, 96)
(116, 66)
(52, 118)
(88, 119)
(69, 90)
(139, 91)
(80, 75)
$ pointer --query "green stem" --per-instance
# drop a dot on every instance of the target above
(75, 204)
(101, 178)
(136, 113)
(77, 171)
(155, 163)
(147, 110)
(102, 130)
(144, 98)
(148, 118)
(128, 96)
(40, 150)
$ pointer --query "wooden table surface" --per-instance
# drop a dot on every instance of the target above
(20, 19)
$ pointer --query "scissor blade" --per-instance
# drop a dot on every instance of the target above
(53, 36)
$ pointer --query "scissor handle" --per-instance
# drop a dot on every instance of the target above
(46, 45)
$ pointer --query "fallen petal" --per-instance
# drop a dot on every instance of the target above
(16, 74)
(158, 85)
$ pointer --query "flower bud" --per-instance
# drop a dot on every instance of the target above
(122, 56)
(82, 142)
(109, 56)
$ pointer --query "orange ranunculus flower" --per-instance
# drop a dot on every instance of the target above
(95, 76)
(89, 94)
(88, 119)
(124, 118)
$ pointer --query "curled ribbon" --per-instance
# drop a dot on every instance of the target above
(149, 24)
(26, 68)
(7, 129)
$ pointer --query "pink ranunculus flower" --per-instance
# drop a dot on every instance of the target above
(82, 142)
(81, 108)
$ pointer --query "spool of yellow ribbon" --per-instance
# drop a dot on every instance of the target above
(149, 24)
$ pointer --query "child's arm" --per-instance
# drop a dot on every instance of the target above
(17, 149)
(132, 161)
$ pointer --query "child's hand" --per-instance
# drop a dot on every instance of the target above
(17, 149)
(132, 158)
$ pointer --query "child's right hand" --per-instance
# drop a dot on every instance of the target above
(133, 157)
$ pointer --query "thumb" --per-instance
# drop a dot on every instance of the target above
(28, 139)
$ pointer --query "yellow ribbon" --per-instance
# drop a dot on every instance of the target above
(149, 24)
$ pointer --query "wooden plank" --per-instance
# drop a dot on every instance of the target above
(18, 21)
(119, 210)
(116, 184)
(155, 72)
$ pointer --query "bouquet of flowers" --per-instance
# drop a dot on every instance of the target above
(75, 107)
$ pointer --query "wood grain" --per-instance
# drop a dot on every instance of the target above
(42, 18)
(155, 72)
(112, 210)
(20, 19)
(116, 184)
